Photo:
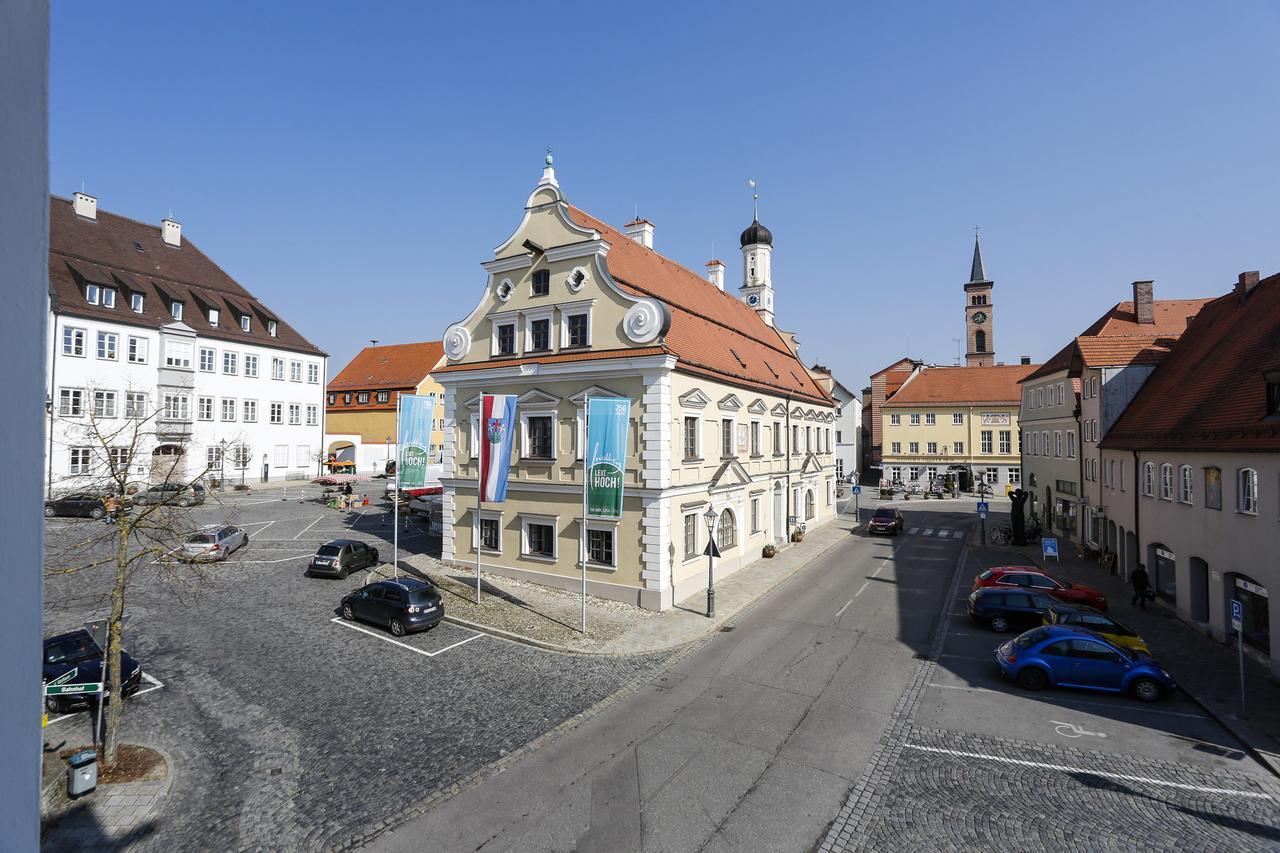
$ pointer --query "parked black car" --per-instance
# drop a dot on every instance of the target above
(886, 520)
(179, 494)
(338, 558)
(76, 652)
(401, 606)
(79, 505)
(1002, 609)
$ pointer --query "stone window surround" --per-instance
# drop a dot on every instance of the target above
(552, 521)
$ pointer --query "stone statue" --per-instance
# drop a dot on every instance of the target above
(1019, 498)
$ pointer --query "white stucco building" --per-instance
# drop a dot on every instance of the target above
(847, 448)
(152, 345)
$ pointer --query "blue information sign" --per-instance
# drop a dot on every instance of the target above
(857, 490)
(982, 506)
(1237, 614)
(1049, 547)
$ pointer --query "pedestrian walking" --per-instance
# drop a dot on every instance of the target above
(1140, 582)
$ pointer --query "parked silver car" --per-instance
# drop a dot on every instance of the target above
(214, 542)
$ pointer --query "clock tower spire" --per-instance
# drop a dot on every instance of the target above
(757, 264)
(979, 313)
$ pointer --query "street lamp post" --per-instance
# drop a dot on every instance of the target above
(710, 515)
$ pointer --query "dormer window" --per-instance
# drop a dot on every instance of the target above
(108, 297)
(213, 317)
(135, 302)
(541, 282)
(271, 328)
(92, 294)
(245, 324)
(175, 309)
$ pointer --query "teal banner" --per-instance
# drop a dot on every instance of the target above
(413, 439)
(607, 419)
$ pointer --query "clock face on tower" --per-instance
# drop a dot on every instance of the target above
(753, 300)
(979, 317)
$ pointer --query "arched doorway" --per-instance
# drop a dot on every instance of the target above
(1198, 590)
(779, 514)
(168, 464)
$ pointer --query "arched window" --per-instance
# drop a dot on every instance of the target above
(1184, 484)
(809, 512)
(1247, 494)
(1149, 479)
(979, 341)
(1166, 482)
(726, 531)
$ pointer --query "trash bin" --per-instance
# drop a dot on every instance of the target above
(82, 774)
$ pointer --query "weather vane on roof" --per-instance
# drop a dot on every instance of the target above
(548, 155)
(755, 198)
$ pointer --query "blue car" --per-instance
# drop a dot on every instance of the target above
(1067, 656)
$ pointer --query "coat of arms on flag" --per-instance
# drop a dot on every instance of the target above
(497, 413)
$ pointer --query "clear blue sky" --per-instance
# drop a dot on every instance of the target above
(352, 164)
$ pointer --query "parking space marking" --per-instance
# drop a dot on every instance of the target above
(344, 623)
(156, 684)
(1074, 701)
(319, 518)
(862, 588)
(281, 560)
(1073, 730)
(1103, 774)
(841, 611)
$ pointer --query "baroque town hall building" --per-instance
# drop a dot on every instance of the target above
(724, 414)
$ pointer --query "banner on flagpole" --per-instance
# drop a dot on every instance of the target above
(413, 439)
(607, 420)
(497, 425)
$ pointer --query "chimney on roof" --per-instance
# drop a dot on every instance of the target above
(172, 232)
(85, 205)
(1144, 307)
(640, 230)
(1246, 282)
(1026, 359)
(715, 273)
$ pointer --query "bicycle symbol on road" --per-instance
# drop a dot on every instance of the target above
(1073, 730)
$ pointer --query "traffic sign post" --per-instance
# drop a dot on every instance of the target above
(1237, 623)
(983, 508)
(857, 514)
(71, 689)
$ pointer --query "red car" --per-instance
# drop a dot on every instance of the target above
(1006, 577)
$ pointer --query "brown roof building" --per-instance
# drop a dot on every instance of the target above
(363, 398)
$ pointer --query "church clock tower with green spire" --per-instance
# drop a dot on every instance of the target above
(979, 315)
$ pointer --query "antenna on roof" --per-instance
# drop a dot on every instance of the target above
(958, 359)
(755, 199)
(373, 341)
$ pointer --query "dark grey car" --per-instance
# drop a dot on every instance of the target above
(179, 494)
(337, 558)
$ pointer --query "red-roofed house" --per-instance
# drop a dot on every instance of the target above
(724, 415)
(1075, 396)
(1191, 469)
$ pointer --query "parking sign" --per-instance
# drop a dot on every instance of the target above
(1237, 614)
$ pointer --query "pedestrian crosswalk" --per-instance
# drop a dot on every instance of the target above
(939, 532)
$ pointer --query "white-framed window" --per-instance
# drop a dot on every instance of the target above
(282, 456)
(251, 365)
(538, 537)
(726, 437)
(985, 437)
(957, 418)
(504, 338)
(137, 352)
(204, 408)
(271, 328)
(1121, 483)
(726, 530)
(118, 460)
(601, 545)
(777, 438)
(295, 414)
(1149, 479)
(1071, 445)
(241, 456)
(1015, 475)
(895, 447)
(230, 363)
(208, 359)
(755, 438)
(1062, 393)
(913, 447)
(957, 447)
(73, 341)
(810, 505)
(362, 398)
(691, 521)
(228, 409)
(295, 371)
(538, 436)
(251, 411)
(1039, 398)
(1185, 484)
(575, 329)
(71, 402)
(692, 438)
(92, 294)
(1247, 491)
(137, 303)
(1057, 442)
(1166, 482)
(828, 493)
(104, 404)
(107, 345)
(175, 310)
(213, 456)
(991, 476)
(277, 413)
(135, 404)
(214, 316)
(313, 415)
(302, 456)
(931, 448)
(930, 419)
(277, 368)
(246, 324)
(1006, 441)
(915, 419)
(895, 420)
(313, 373)
(755, 516)
(79, 460)
(177, 407)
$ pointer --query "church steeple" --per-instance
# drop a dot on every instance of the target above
(757, 265)
(979, 313)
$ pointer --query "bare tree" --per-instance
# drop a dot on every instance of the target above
(105, 446)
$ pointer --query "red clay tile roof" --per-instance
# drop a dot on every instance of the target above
(956, 385)
(712, 332)
(132, 257)
(1170, 318)
(1210, 392)
(390, 366)
(1124, 349)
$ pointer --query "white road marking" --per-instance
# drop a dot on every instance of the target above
(962, 687)
(156, 684)
(319, 518)
(344, 623)
(265, 525)
(1112, 706)
(880, 567)
(913, 530)
(928, 531)
(862, 588)
(1073, 730)
(957, 753)
(281, 560)
(843, 609)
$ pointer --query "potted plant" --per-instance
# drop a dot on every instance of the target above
(797, 536)
(768, 551)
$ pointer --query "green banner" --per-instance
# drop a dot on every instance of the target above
(606, 454)
(413, 439)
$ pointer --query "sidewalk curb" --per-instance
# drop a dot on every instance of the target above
(512, 636)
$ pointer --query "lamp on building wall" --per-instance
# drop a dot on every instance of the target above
(710, 516)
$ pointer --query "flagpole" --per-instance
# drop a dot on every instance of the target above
(586, 452)
(395, 496)
(480, 439)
